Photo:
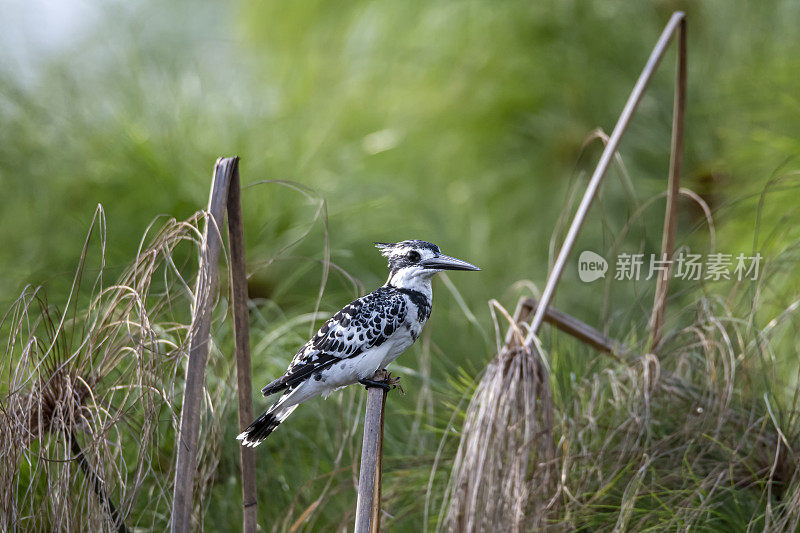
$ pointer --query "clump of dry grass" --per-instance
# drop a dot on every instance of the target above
(705, 436)
(712, 423)
(688, 440)
(504, 464)
(91, 394)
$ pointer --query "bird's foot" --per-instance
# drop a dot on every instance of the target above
(382, 380)
(372, 384)
(395, 383)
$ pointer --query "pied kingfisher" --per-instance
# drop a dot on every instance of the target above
(362, 338)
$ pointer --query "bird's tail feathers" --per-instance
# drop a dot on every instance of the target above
(264, 425)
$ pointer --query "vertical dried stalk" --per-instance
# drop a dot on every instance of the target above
(675, 164)
(368, 505)
(375, 524)
(241, 327)
(198, 348)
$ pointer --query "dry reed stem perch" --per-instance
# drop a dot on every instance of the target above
(369, 479)
(186, 446)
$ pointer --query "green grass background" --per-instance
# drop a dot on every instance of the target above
(458, 122)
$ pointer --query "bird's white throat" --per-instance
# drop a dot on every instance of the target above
(413, 278)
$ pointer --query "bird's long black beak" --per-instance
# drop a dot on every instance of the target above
(445, 262)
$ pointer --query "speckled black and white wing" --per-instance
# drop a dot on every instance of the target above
(363, 324)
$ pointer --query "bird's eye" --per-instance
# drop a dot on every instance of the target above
(413, 256)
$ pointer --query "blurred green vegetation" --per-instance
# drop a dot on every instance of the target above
(458, 122)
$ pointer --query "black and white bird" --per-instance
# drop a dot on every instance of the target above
(362, 338)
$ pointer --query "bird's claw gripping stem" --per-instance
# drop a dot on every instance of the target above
(382, 380)
(369, 384)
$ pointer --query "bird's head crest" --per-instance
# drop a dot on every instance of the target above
(384, 247)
